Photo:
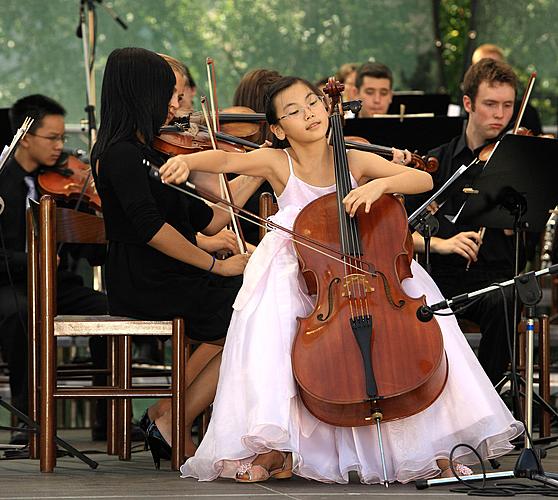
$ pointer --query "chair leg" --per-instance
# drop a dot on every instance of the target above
(178, 389)
(33, 383)
(112, 407)
(204, 423)
(47, 443)
(126, 403)
(47, 421)
(33, 333)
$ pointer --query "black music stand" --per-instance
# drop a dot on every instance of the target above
(419, 102)
(518, 182)
(414, 134)
(516, 190)
(423, 221)
(6, 132)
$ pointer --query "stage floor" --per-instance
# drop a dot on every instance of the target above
(114, 479)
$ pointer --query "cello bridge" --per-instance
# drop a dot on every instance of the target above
(356, 284)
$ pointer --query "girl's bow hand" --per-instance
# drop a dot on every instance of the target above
(175, 170)
(233, 266)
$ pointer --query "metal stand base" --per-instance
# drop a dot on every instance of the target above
(422, 484)
(33, 427)
(527, 466)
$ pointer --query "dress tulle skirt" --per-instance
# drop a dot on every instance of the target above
(257, 409)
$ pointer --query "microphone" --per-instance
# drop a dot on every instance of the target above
(426, 313)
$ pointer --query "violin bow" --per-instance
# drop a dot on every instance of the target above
(226, 192)
(212, 83)
(524, 101)
(6, 154)
(314, 245)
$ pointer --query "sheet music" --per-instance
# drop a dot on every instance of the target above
(4, 154)
(8, 150)
(420, 211)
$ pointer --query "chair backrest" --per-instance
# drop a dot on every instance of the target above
(267, 208)
(61, 225)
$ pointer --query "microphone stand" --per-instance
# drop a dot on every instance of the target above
(87, 30)
(427, 226)
(528, 464)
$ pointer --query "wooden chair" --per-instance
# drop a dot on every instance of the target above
(267, 208)
(59, 225)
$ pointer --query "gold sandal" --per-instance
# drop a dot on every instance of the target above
(256, 473)
(460, 469)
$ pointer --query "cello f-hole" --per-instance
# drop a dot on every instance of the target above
(320, 317)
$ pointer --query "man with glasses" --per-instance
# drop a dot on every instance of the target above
(41, 147)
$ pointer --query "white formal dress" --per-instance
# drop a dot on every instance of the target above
(257, 408)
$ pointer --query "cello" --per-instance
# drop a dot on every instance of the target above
(361, 356)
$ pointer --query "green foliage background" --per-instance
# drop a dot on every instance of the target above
(39, 51)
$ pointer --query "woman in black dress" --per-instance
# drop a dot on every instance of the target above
(154, 270)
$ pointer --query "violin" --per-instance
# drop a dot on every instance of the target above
(361, 356)
(426, 163)
(239, 121)
(178, 141)
(70, 179)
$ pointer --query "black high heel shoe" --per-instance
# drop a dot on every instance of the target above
(154, 441)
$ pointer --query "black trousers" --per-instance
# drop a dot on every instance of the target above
(72, 298)
(487, 311)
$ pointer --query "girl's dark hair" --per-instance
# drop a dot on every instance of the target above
(137, 87)
(271, 113)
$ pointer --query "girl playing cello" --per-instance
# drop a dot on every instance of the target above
(259, 428)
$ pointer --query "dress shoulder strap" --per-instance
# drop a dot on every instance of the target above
(290, 162)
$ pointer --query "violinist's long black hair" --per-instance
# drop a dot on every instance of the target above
(137, 87)
(271, 113)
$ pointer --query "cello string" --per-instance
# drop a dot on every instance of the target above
(357, 247)
(351, 228)
(357, 287)
(338, 180)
